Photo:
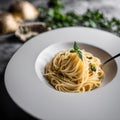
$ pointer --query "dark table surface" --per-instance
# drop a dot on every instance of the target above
(9, 44)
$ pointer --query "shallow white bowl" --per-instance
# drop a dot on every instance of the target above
(29, 90)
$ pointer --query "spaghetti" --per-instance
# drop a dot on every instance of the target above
(68, 73)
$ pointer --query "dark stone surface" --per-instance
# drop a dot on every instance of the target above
(9, 44)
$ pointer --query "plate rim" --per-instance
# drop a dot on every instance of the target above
(29, 42)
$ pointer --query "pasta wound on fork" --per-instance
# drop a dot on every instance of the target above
(70, 72)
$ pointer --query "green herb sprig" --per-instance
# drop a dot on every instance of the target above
(89, 57)
(76, 50)
(54, 17)
(92, 67)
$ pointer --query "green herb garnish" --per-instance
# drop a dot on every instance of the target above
(92, 67)
(54, 17)
(76, 50)
(89, 57)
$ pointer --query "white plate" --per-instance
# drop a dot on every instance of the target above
(29, 90)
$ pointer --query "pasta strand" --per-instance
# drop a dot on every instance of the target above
(66, 72)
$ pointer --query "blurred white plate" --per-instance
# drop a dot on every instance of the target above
(30, 91)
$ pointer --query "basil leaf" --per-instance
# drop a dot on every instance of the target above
(92, 67)
(80, 55)
(75, 46)
(89, 57)
(76, 50)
